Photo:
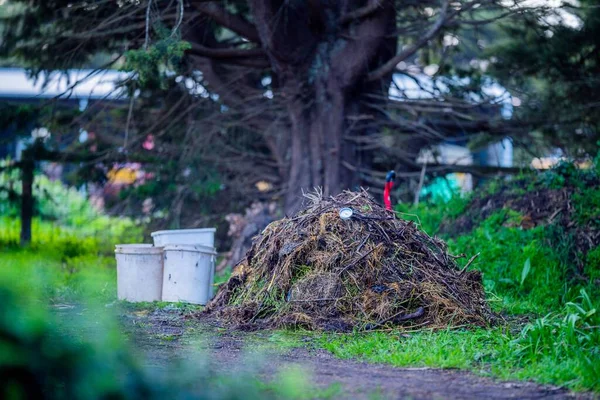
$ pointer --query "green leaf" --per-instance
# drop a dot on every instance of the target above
(526, 269)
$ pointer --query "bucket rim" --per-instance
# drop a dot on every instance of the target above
(195, 248)
(140, 248)
(183, 231)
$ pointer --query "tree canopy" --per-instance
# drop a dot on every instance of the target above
(296, 94)
(553, 66)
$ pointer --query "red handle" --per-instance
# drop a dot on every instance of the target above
(386, 195)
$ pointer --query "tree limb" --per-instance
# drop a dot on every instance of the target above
(250, 59)
(204, 51)
(230, 21)
(390, 65)
(362, 12)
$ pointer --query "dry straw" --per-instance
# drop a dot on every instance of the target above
(372, 271)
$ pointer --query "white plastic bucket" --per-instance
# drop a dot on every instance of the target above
(203, 237)
(139, 272)
(188, 273)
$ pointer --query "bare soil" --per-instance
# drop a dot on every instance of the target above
(167, 336)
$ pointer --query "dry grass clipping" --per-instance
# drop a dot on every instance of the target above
(317, 271)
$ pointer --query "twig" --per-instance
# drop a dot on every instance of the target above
(312, 300)
(461, 255)
(147, 39)
(364, 217)
(591, 327)
(399, 318)
(362, 243)
(469, 263)
(554, 214)
(358, 260)
(129, 115)
(180, 19)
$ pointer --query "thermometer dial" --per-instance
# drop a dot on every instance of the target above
(346, 213)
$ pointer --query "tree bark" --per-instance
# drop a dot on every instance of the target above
(317, 137)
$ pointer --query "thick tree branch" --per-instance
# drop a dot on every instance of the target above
(440, 169)
(370, 35)
(204, 51)
(390, 65)
(362, 12)
(230, 21)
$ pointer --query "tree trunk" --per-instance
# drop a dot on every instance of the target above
(26, 199)
(322, 63)
(317, 141)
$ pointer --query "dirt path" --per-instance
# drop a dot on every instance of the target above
(164, 336)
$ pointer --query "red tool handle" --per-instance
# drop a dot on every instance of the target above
(386, 195)
(387, 190)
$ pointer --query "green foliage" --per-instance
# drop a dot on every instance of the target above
(46, 352)
(592, 265)
(568, 174)
(160, 55)
(293, 383)
(555, 68)
(526, 270)
(587, 206)
(517, 264)
(96, 236)
(165, 53)
(430, 215)
(48, 355)
(446, 349)
(564, 335)
(67, 271)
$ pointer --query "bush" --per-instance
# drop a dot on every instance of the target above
(40, 358)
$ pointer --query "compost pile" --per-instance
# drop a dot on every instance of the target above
(318, 271)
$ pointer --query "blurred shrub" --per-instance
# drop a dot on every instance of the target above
(46, 355)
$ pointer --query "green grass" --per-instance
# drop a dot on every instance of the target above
(57, 278)
(560, 349)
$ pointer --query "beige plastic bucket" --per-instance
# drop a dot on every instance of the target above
(188, 273)
(139, 272)
(203, 237)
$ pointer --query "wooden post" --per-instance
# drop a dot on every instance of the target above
(420, 186)
(27, 169)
